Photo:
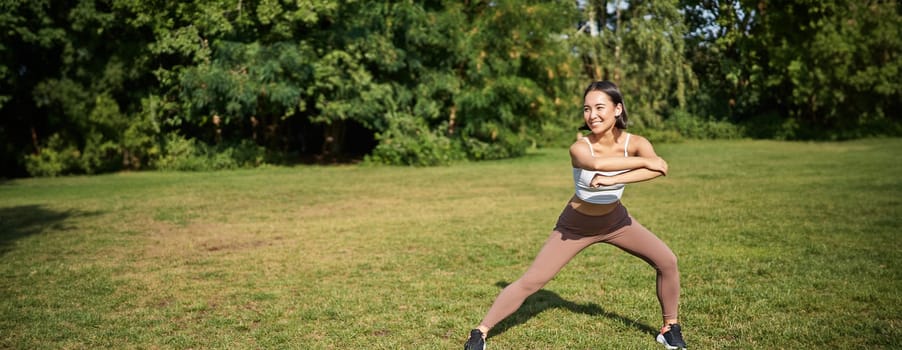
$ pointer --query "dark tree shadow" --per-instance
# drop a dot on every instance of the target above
(23, 221)
(544, 300)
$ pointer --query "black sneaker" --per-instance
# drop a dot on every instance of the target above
(672, 337)
(476, 341)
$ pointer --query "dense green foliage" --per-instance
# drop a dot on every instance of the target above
(93, 86)
(799, 69)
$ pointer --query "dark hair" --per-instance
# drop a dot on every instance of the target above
(613, 92)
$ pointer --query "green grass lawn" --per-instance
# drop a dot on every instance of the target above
(781, 246)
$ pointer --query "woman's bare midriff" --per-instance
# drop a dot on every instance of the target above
(592, 208)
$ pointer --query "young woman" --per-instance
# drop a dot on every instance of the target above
(603, 163)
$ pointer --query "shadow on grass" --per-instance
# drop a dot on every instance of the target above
(23, 221)
(544, 300)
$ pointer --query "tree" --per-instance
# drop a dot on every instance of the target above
(70, 69)
(833, 65)
(639, 45)
(516, 72)
(488, 76)
(806, 69)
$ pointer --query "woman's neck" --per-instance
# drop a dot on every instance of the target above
(608, 138)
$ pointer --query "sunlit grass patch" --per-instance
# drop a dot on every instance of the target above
(777, 242)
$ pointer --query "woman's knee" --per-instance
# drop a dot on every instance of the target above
(666, 262)
(527, 285)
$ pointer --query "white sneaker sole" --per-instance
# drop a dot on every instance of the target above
(661, 340)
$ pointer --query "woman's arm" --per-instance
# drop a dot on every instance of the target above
(632, 176)
(645, 150)
(581, 158)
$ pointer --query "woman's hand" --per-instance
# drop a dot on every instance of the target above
(601, 180)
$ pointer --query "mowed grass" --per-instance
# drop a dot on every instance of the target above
(781, 246)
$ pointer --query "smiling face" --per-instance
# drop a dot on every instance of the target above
(599, 112)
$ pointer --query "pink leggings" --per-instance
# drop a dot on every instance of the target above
(573, 233)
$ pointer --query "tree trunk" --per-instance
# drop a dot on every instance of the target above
(333, 139)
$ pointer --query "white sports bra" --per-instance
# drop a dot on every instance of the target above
(582, 179)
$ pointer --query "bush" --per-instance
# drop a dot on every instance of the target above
(554, 135)
(660, 135)
(499, 149)
(694, 127)
(110, 143)
(140, 140)
(100, 155)
(492, 141)
(771, 126)
(409, 141)
(183, 154)
(57, 157)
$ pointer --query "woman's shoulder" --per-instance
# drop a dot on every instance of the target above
(634, 138)
(638, 143)
(580, 149)
(581, 141)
